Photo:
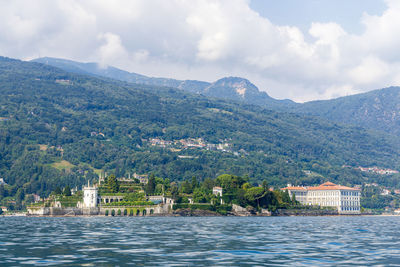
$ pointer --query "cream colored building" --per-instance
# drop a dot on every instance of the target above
(345, 199)
(217, 191)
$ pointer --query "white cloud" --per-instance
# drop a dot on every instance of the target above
(208, 39)
(112, 50)
(370, 70)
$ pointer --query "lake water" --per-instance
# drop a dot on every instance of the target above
(177, 241)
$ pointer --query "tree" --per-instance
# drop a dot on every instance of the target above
(228, 181)
(286, 197)
(294, 201)
(265, 185)
(186, 187)
(151, 185)
(174, 190)
(113, 184)
(194, 182)
(167, 183)
(57, 191)
(67, 191)
(199, 196)
(246, 186)
(3, 192)
(159, 189)
(208, 183)
(20, 195)
(254, 194)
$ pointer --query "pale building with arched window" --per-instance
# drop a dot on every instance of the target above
(345, 199)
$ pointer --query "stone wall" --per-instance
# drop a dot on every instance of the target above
(138, 210)
(305, 212)
(54, 211)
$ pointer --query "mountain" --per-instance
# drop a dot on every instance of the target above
(59, 128)
(378, 109)
(242, 90)
(233, 88)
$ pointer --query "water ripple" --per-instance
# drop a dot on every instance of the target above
(231, 241)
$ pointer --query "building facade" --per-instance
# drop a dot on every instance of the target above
(345, 199)
(217, 191)
(90, 196)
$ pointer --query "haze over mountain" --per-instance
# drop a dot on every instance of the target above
(233, 88)
(379, 109)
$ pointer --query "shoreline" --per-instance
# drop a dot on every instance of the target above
(198, 215)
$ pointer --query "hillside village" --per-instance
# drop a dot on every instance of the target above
(193, 143)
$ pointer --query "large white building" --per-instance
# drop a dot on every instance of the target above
(345, 199)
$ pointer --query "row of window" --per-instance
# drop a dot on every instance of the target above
(350, 193)
(351, 208)
(350, 203)
(327, 193)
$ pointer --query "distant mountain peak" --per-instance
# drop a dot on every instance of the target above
(235, 82)
(236, 88)
(232, 88)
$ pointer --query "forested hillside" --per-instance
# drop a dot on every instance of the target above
(378, 109)
(59, 128)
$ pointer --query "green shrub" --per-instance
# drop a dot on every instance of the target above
(119, 212)
(125, 212)
(113, 213)
(131, 212)
(221, 209)
(130, 203)
(106, 213)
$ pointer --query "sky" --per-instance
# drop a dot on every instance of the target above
(297, 49)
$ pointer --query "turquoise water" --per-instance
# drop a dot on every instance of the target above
(174, 241)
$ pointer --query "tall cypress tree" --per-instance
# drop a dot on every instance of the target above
(112, 184)
(67, 191)
(151, 185)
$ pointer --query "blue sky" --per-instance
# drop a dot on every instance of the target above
(302, 13)
(301, 50)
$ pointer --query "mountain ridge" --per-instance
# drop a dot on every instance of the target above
(377, 109)
(215, 89)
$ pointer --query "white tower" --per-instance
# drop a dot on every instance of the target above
(90, 194)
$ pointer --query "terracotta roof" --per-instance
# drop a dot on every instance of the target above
(294, 188)
(331, 186)
(324, 186)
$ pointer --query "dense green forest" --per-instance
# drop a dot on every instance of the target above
(51, 120)
(378, 109)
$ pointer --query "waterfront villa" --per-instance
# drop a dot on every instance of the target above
(92, 198)
(345, 199)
